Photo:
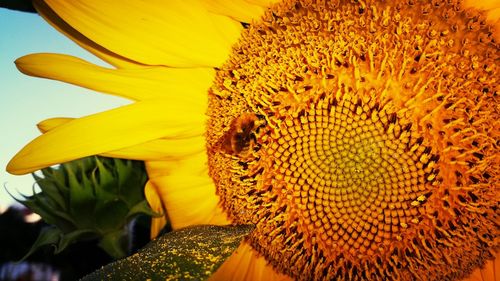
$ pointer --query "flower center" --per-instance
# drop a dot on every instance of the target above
(360, 139)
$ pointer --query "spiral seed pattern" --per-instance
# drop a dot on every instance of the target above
(354, 170)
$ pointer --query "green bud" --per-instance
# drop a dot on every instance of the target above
(93, 197)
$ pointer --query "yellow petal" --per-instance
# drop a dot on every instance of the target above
(175, 33)
(245, 264)
(239, 10)
(483, 4)
(53, 19)
(154, 200)
(491, 9)
(489, 272)
(170, 148)
(187, 191)
(263, 3)
(493, 16)
(136, 84)
(51, 123)
(111, 130)
(161, 149)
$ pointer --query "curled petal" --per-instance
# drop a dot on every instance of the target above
(111, 130)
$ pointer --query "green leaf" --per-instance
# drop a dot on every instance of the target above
(192, 253)
(48, 236)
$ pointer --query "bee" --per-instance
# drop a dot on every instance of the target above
(240, 140)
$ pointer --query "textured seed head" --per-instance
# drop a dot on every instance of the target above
(361, 137)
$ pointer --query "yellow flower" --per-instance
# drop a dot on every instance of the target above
(361, 138)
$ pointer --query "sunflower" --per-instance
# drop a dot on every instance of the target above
(360, 137)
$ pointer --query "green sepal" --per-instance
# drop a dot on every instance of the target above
(72, 237)
(105, 178)
(135, 177)
(48, 236)
(56, 176)
(114, 244)
(49, 214)
(192, 253)
(54, 236)
(123, 168)
(142, 208)
(52, 191)
(106, 215)
(81, 198)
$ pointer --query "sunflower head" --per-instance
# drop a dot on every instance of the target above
(362, 139)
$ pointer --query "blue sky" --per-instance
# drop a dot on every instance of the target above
(25, 100)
